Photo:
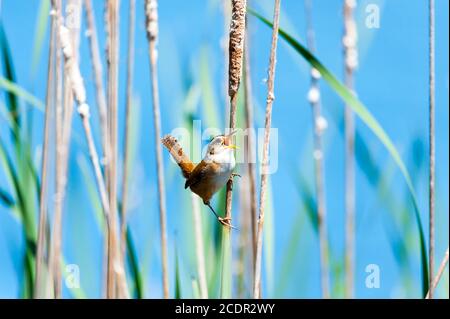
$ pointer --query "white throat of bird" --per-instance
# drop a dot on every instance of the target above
(221, 151)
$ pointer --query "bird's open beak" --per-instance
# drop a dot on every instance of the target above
(232, 133)
(228, 139)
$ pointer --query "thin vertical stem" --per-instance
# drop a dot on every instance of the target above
(243, 266)
(59, 79)
(319, 125)
(73, 9)
(116, 282)
(129, 97)
(432, 145)
(111, 15)
(151, 11)
(96, 165)
(265, 160)
(226, 277)
(49, 101)
(249, 120)
(351, 61)
(97, 69)
(199, 248)
(98, 72)
(436, 279)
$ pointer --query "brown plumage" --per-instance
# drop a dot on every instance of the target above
(211, 174)
(199, 182)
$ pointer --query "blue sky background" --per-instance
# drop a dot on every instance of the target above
(392, 81)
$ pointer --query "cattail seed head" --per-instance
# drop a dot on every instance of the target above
(236, 45)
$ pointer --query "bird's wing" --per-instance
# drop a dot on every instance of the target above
(178, 154)
(197, 174)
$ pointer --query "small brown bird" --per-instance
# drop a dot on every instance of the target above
(212, 173)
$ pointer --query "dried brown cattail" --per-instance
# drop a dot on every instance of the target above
(236, 46)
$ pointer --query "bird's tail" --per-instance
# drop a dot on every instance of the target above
(175, 149)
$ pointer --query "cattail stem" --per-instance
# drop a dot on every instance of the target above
(229, 193)
(129, 97)
(319, 125)
(151, 11)
(49, 101)
(265, 160)
(98, 73)
(351, 62)
(432, 145)
(436, 279)
(235, 60)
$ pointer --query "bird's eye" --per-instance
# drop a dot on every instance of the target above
(211, 152)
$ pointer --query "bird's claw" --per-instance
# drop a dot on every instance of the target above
(226, 222)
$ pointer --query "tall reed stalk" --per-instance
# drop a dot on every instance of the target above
(351, 62)
(59, 80)
(235, 61)
(265, 154)
(97, 69)
(319, 125)
(151, 12)
(116, 281)
(432, 145)
(49, 109)
(129, 97)
(73, 9)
